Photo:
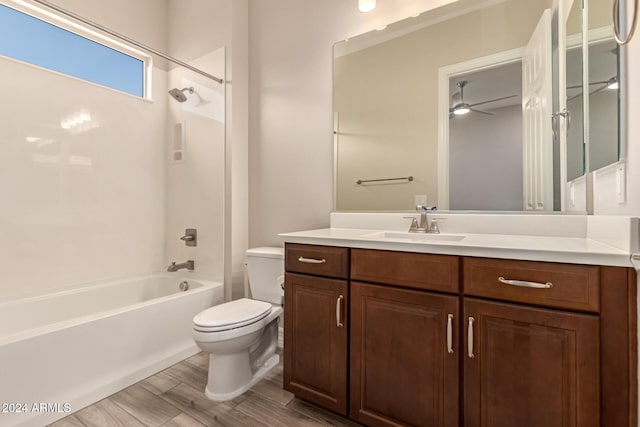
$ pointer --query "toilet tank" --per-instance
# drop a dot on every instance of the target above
(265, 267)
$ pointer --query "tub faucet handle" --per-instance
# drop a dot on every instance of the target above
(190, 237)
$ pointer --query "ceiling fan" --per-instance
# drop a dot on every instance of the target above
(460, 107)
(611, 84)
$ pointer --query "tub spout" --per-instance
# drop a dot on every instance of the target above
(189, 265)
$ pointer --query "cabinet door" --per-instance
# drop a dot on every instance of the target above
(529, 367)
(315, 340)
(404, 357)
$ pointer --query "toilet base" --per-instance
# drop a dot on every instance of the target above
(267, 366)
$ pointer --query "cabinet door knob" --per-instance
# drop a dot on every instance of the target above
(339, 311)
(470, 338)
(450, 333)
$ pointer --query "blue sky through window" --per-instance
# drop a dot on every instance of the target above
(37, 42)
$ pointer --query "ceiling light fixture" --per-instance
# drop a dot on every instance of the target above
(461, 109)
(366, 5)
(613, 84)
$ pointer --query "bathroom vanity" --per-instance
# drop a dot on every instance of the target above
(392, 329)
(502, 320)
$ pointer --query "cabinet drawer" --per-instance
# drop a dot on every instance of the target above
(317, 260)
(573, 287)
(420, 271)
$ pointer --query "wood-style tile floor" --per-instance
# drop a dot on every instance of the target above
(175, 398)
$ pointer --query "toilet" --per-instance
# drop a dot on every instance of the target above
(241, 336)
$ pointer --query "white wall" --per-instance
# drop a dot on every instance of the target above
(485, 161)
(142, 20)
(198, 30)
(81, 206)
(291, 119)
(203, 26)
(94, 205)
(237, 153)
(197, 27)
(77, 205)
(195, 184)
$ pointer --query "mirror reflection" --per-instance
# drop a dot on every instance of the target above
(604, 88)
(402, 134)
(485, 139)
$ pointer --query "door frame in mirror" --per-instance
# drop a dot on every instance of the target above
(444, 75)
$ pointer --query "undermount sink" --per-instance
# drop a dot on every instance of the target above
(422, 237)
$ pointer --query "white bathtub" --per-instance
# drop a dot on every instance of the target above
(62, 351)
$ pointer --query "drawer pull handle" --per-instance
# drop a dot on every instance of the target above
(525, 284)
(338, 312)
(312, 260)
(470, 338)
(450, 333)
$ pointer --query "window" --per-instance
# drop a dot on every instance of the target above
(35, 41)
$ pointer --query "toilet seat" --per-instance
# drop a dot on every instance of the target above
(231, 315)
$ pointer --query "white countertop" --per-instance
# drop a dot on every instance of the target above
(577, 250)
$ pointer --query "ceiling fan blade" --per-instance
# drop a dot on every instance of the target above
(604, 82)
(488, 113)
(600, 89)
(492, 100)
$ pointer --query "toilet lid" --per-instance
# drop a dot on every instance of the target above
(231, 315)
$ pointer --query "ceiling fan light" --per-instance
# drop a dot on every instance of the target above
(613, 83)
(459, 111)
(366, 5)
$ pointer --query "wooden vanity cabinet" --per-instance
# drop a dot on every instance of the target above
(439, 340)
(524, 365)
(404, 364)
(404, 357)
(548, 344)
(316, 324)
(529, 367)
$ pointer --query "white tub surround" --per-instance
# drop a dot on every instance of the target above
(577, 239)
(74, 347)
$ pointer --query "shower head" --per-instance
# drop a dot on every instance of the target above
(178, 94)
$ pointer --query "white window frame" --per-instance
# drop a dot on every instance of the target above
(94, 35)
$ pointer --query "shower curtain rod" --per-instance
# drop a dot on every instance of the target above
(127, 39)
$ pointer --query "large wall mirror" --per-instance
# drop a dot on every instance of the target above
(476, 106)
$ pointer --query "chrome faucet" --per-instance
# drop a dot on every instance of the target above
(424, 226)
(189, 265)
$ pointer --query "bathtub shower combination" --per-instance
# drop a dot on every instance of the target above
(103, 176)
(62, 351)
